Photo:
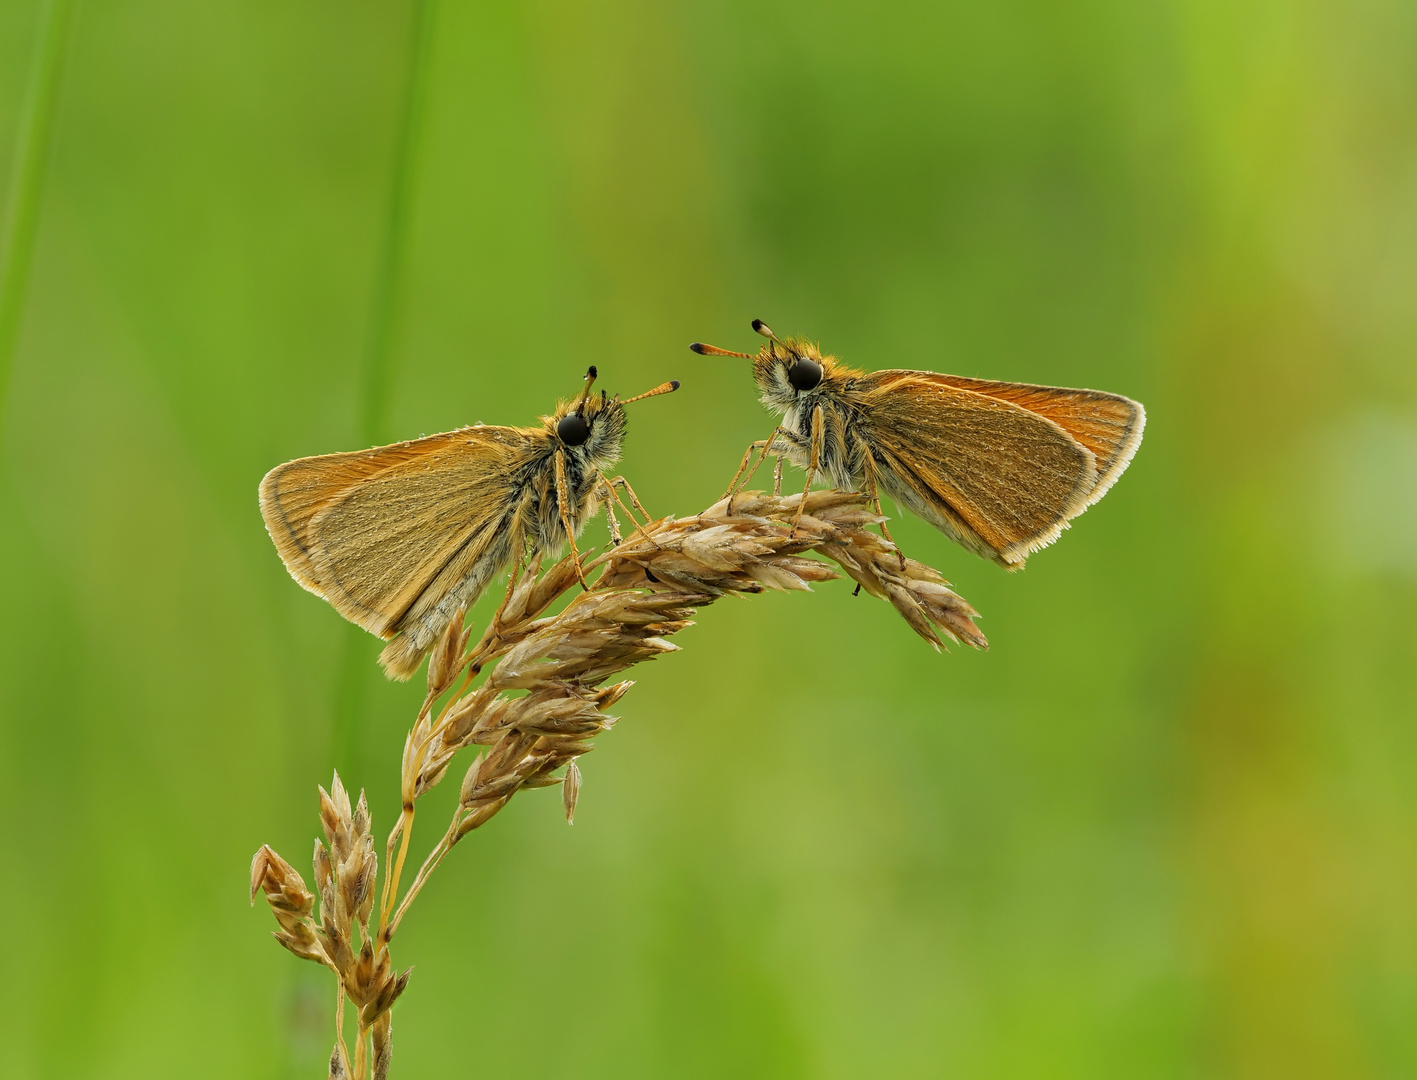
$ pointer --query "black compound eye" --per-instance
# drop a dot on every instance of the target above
(805, 374)
(573, 430)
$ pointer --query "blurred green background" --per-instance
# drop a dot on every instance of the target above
(1166, 828)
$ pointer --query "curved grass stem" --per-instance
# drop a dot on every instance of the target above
(347, 725)
(32, 152)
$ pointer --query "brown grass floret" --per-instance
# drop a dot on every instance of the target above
(545, 699)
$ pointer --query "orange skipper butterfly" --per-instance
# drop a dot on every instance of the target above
(401, 538)
(998, 467)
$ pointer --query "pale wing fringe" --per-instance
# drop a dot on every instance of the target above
(428, 520)
(1126, 450)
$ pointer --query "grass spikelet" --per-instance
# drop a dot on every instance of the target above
(546, 688)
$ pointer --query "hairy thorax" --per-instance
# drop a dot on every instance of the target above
(842, 455)
(834, 396)
(536, 499)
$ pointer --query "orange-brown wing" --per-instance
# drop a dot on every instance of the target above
(996, 477)
(1107, 424)
(371, 530)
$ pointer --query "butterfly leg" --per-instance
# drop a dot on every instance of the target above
(874, 493)
(890, 539)
(765, 445)
(813, 466)
(561, 500)
(620, 482)
(743, 465)
(610, 500)
(524, 555)
(777, 478)
(511, 587)
(624, 485)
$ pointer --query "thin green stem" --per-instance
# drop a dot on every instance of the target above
(392, 873)
(339, 1017)
(347, 735)
(373, 390)
(32, 142)
(431, 863)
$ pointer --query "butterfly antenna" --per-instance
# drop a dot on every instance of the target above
(590, 377)
(663, 388)
(763, 328)
(713, 350)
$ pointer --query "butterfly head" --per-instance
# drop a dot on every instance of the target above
(791, 370)
(591, 427)
(786, 370)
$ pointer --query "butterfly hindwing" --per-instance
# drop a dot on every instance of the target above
(997, 477)
(1107, 424)
(373, 531)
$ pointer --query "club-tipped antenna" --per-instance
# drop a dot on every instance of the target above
(590, 377)
(763, 328)
(663, 388)
(713, 350)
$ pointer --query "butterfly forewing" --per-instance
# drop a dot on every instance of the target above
(998, 477)
(375, 531)
(1107, 424)
(293, 493)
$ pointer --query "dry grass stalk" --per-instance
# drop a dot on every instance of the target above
(649, 588)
